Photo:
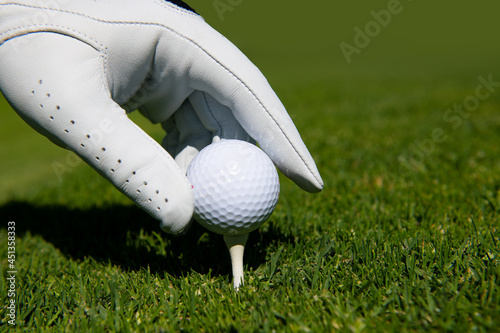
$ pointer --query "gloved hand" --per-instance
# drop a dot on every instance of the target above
(72, 69)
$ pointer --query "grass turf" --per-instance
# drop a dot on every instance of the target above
(405, 236)
(377, 250)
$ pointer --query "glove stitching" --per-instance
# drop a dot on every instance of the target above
(165, 5)
(96, 45)
(196, 45)
(171, 7)
(63, 30)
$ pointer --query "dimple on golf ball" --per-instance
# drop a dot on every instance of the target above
(236, 187)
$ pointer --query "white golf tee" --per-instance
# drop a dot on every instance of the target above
(236, 246)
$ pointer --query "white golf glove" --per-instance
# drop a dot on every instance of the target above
(72, 69)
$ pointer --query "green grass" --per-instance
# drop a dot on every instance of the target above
(382, 248)
(375, 251)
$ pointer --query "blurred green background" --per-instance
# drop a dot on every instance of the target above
(301, 39)
(296, 45)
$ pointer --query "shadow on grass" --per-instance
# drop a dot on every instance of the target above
(125, 236)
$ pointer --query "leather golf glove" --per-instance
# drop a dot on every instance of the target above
(73, 69)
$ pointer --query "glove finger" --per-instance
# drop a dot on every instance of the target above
(186, 135)
(56, 83)
(217, 118)
(222, 71)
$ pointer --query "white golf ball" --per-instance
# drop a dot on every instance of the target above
(236, 187)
